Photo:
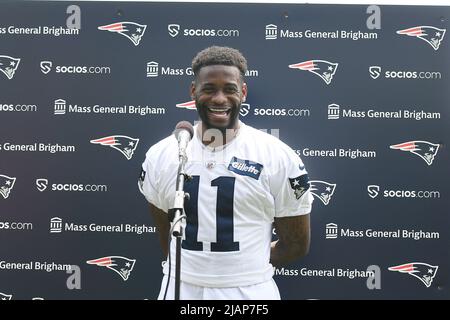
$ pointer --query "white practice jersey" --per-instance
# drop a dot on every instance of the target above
(236, 191)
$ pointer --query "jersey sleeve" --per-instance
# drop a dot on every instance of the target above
(290, 187)
(148, 181)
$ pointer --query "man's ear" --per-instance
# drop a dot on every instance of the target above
(244, 92)
(193, 90)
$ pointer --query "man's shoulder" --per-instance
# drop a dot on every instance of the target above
(162, 149)
(264, 141)
(270, 151)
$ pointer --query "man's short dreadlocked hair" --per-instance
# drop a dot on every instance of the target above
(219, 56)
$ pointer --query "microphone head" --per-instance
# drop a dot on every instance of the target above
(184, 125)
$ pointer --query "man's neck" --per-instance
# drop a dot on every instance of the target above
(214, 138)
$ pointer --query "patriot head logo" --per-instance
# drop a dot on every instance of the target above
(8, 65)
(5, 296)
(190, 105)
(6, 185)
(124, 144)
(322, 190)
(121, 265)
(300, 185)
(424, 149)
(324, 69)
(422, 271)
(433, 36)
(133, 31)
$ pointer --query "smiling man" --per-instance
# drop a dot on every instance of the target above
(243, 182)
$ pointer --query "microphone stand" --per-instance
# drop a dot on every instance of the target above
(177, 229)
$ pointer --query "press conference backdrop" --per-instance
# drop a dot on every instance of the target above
(361, 94)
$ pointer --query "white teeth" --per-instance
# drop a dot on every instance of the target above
(218, 110)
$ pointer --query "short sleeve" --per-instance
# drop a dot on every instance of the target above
(290, 186)
(148, 183)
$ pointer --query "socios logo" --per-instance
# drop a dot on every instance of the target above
(41, 184)
(244, 110)
(174, 29)
(375, 71)
(46, 66)
(373, 190)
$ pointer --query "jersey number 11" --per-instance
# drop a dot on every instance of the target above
(224, 216)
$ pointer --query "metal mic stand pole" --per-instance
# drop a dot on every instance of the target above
(177, 232)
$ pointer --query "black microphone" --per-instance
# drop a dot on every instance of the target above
(184, 131)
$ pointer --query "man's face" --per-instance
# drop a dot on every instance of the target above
(218, 93)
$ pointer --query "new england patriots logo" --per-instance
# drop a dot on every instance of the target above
(300, 185)
(8, 65)
(6, 185)
(5, 296)
(433, 36)
(422, 271)
(322, 190)
(190, 105)
(124, 144)
(322, 68)
(424, 149)
(133, 31)
(121, 265)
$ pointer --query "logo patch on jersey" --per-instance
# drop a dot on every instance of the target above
(245, 168)
(300, 185)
